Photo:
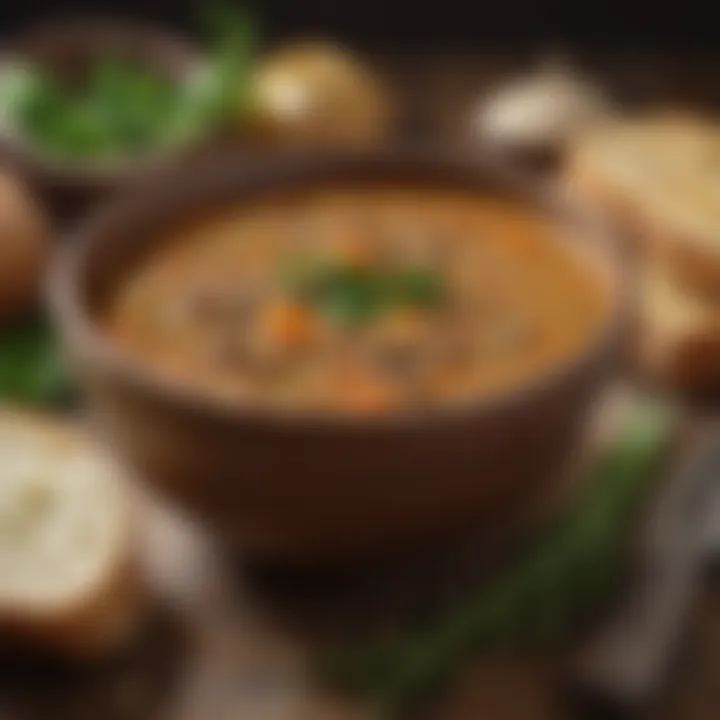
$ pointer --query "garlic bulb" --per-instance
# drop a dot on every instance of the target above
(539, 111)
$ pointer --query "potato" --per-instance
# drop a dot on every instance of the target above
(315, 94)
(24, 248)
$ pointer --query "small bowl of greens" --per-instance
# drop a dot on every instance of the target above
(89, 105)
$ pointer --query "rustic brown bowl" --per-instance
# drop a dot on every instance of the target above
(316, 488)
(66, 49)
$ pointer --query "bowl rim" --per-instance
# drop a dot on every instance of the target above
(239, 174)
(179, 50)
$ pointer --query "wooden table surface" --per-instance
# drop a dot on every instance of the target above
(225, 645)
(204, 653)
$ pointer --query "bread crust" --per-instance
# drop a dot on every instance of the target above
(687, 254)
(678, 330)
(102, 616)
(688, 360)
(97, 623)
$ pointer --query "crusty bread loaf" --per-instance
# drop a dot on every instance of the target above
(68, 582)
(658, 176)
(679, 334)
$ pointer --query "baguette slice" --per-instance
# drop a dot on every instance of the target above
(659, 177)
(68, 581)
(679, 334)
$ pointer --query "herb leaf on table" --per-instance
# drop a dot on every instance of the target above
(570, 571)
(31, 371)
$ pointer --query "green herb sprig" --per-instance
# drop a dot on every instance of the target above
(234, 36)
(571, 570)
(354, 295)
(31, 371)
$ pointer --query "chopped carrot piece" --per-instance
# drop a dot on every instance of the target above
(289, 325)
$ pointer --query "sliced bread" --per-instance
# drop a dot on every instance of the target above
(659, 177)
(679, 333)
(68, 582)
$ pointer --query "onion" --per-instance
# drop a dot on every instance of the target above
(540, 111)
(316, 94)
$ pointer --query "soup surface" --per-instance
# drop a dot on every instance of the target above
(359, 300)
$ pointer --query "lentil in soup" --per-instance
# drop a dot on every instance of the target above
(359, 299)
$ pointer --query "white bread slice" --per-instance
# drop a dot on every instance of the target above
(659, 177)
(679, 338)
(68, 581)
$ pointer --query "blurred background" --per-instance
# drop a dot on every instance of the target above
(527, 79)
(649, 52)
(397, 25)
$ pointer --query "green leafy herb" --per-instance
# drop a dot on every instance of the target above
(233, 35)
(124, 108)
(120, 108)
(30, 368)
(417, 287)
(571, 570)
(350, 295)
